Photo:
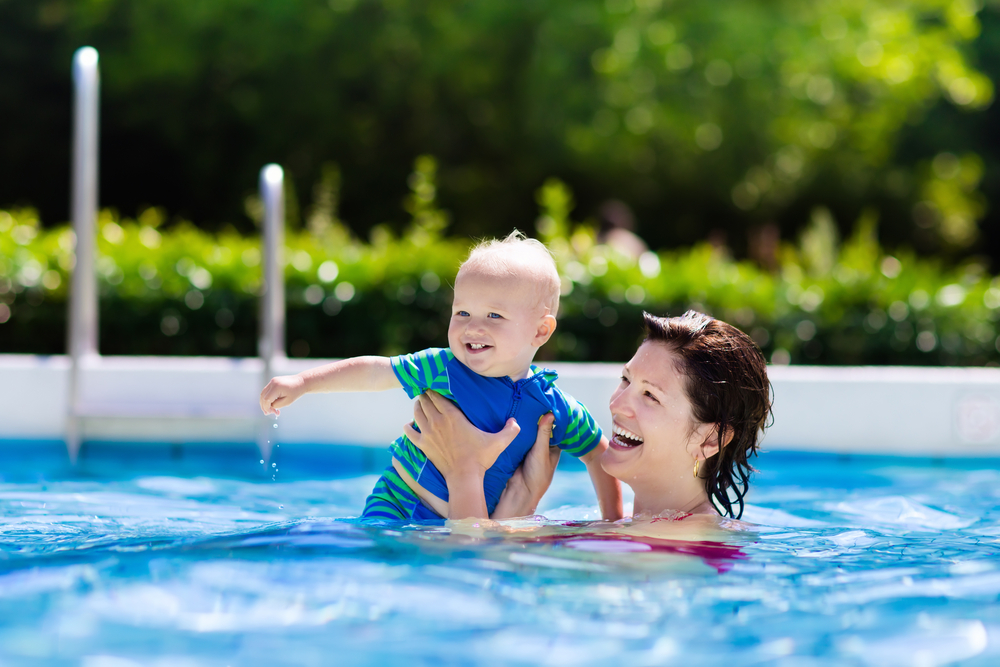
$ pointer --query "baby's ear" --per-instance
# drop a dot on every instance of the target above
(545, 329)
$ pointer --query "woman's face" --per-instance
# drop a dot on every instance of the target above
(654, 433)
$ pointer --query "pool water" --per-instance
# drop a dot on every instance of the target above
(197, 557)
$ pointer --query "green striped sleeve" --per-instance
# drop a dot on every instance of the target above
(427, 369)
(579, 432)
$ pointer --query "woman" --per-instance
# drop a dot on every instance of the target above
(688, 412)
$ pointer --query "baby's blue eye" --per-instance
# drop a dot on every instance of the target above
(461, 313)
(494, 316)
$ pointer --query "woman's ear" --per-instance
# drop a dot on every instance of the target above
(545, 329)
(706, 443)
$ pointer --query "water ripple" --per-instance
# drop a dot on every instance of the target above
(209, 570)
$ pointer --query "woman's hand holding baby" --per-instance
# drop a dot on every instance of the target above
(281, 391)
(442, 428)
(441, 423)
(532, 478)
(463, 453)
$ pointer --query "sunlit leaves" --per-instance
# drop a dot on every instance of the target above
(789, 88)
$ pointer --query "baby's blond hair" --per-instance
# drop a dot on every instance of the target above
(518, 256)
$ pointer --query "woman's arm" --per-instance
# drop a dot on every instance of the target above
(609, 489)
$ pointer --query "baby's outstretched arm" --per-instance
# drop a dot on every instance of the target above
(354, 374)
(609, 489)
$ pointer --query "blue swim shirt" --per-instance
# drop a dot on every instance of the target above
(488, 403)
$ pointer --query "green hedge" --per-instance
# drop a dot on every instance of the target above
(180, 290)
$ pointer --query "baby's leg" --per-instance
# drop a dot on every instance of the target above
(391, 498)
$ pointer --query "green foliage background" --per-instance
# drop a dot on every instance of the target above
(187, 291)
(704, 117)
(860, 133)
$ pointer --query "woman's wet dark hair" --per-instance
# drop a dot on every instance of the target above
(727, 385)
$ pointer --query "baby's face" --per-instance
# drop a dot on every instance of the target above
(495, 324)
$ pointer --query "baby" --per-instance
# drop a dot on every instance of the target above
(505, 303)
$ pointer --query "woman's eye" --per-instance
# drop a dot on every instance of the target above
(624, 380)
(651, 397)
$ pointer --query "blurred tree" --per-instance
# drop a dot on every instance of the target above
(701, 116)
(768, 106)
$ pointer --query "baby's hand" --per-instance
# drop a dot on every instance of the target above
(279, 392)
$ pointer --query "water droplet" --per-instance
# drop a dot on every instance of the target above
(274, 465)
(275, 426)
(281, 507)
(262, 461)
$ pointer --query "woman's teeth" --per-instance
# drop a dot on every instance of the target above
(627, 437)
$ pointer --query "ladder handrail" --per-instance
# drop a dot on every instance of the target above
(271, 344)
(82, 329)
(272, 328)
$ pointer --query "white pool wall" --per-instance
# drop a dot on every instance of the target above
(871, 410)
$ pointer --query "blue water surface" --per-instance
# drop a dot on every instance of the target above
(201, 555)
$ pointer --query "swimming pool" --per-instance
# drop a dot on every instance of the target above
(195, 556)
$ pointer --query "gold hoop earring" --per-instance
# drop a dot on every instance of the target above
(696, 463)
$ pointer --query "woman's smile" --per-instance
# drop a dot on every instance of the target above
(623, 438)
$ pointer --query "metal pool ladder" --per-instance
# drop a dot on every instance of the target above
(82, 343)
